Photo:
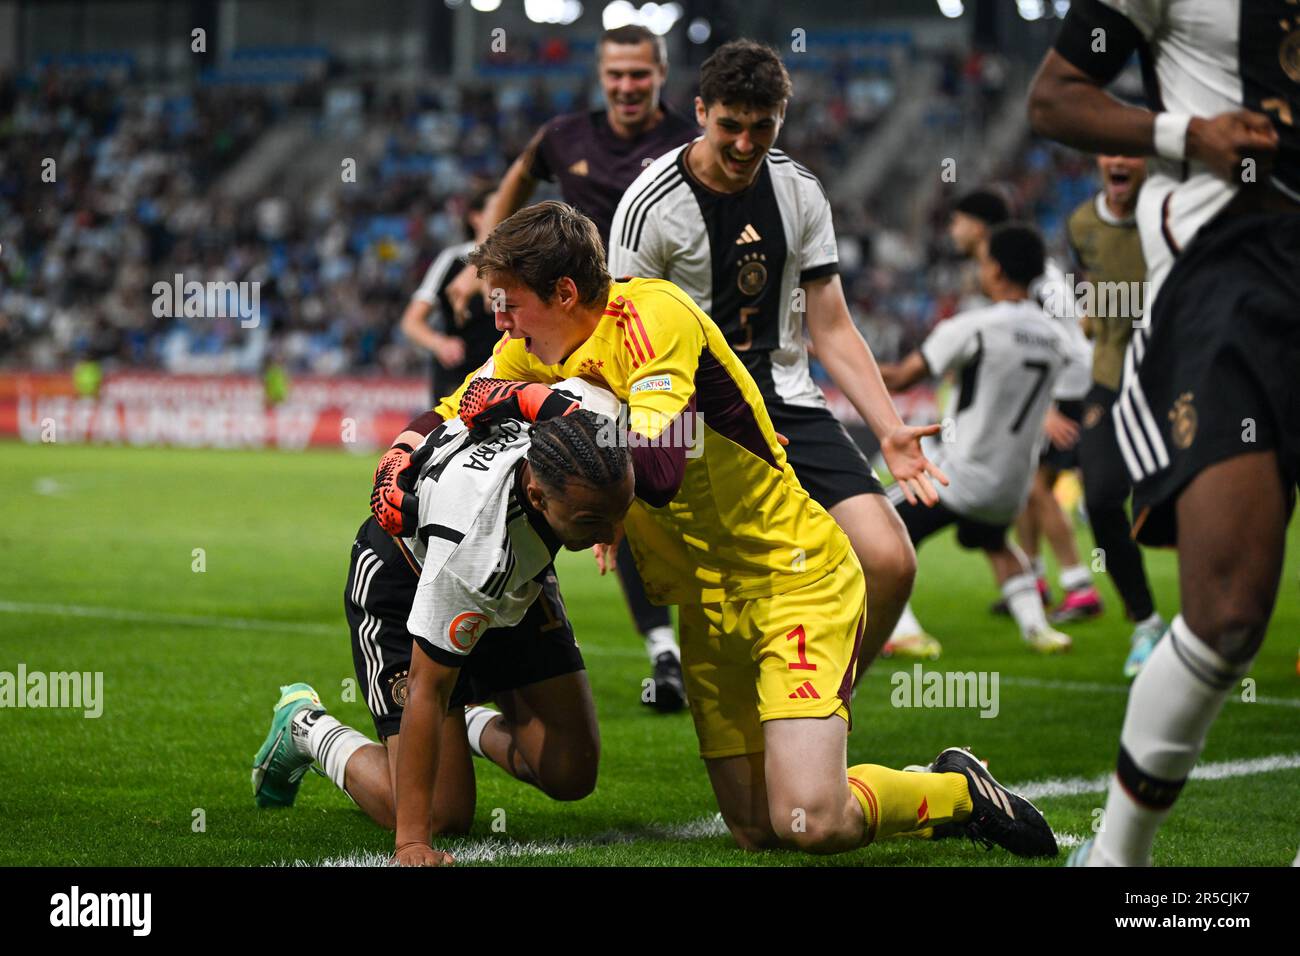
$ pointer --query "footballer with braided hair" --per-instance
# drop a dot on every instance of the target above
(770, 594)
(572, 449)
(471, 586)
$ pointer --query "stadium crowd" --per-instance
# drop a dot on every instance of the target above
(133, 198)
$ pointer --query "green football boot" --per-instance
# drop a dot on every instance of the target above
(278, 768)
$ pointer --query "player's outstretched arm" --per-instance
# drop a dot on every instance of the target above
(429, 687)
(847, 357)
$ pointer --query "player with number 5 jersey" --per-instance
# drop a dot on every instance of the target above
(746, 232)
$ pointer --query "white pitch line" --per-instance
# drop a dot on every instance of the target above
(1094, 688)
(489, 851)
(1224, 770)
(156, 617)
(229, 623)
(1084, 687)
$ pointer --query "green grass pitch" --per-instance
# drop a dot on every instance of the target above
(97, 574)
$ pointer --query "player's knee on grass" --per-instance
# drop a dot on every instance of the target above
(752, 837)
(452, 822)
(384, 816)
(568, 772)
(739, 786)
(812, 826)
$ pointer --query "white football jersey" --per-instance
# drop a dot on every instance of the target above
(1006, 359)
(453, 257)
(1055, 292)
(1202, 58)
(482, 551)
(740, 256)
(1205, 57)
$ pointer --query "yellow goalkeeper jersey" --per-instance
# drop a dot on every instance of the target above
(741, 526)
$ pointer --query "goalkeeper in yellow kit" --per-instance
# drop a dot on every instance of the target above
(771, 596)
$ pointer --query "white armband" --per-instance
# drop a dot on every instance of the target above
(1170, 135)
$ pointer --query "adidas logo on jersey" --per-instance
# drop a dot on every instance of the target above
(805, 691)
(579, 168)
(747, 235)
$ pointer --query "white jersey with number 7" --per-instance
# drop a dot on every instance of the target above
(1006, 359)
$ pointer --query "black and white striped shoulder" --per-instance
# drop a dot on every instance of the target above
(659, 180)
(781, 163)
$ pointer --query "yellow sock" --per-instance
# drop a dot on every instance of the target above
(900, 801)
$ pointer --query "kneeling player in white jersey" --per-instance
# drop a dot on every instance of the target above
(746, 232)
(1007, 358)
(472, 586)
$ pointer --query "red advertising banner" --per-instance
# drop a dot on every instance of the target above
(232, 411)
(209, 411)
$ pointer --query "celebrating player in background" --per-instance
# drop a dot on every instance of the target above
(1108, 252)
(459, 340)
(1007, 358)
(973, 216)
(471, 586)
(746, 232)
(1206, 416)
(770, 593)
(593, 156)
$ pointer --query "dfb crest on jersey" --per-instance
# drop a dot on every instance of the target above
(1288, 55)
(753, 274)
(397, 688)
(1183, 416)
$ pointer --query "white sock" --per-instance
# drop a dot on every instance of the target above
(1021, 594)
(328, 742)
(1174, 700)
(1151, 621)
(659, 640)
(477, 718)
(1075, 577)
(1038, 564)
(907, 623)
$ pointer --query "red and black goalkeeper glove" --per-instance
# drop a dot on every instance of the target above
(489, 400)
(392, 501)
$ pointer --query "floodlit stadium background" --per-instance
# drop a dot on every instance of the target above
(200, 573)
(230, 165)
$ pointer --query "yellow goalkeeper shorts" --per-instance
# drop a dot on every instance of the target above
(788, 655)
